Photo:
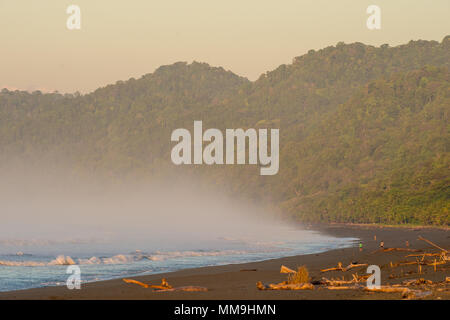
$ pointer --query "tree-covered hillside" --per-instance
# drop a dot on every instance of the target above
(364, 134)
(383, 156)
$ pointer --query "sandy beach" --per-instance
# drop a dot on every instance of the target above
(238, 281)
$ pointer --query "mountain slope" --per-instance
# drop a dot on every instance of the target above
(383, 156)
(364, 130)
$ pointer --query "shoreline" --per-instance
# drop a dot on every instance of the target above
(238, 281)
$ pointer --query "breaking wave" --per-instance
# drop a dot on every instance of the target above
(60, 260)
(125, 258)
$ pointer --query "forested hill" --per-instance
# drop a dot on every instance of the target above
(364, 130)
(383, 156)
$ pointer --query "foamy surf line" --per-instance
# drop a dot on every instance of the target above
(21, 272)
(63, 260)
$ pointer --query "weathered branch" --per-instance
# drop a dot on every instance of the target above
(433, 244)
(286, 270)
(284, 286)
(136, 282)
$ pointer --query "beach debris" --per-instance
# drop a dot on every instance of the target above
(333, 284)
(284, 286)
(388, 289)
(419, 288)
(357, 278)
(355, 265)
(341, 268)
(336, 283)
(185, 288)
(165, 286)
(433, 244)
(136, 282)
(403, 288)
(296, 280)
(395, 249)
(338, 268)
(408, 293)
(285, 269)
(423, 255)
(261, 286)
(419, 281)
(421, 261)
(246, 270)
(416, 294)
(400, 249)
(402, 263)
(341, 284)
(342, 287)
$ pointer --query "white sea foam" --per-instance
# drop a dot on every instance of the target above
(117, 259)
(60, 260)
(122, 258)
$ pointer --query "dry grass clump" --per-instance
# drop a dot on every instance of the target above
(301, 276)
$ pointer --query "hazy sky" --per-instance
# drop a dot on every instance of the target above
(120, 39)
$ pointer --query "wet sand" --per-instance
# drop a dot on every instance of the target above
(238, 281)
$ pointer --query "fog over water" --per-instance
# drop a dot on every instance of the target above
(60, 209)
(49, 220)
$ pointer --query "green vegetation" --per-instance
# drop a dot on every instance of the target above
(364, 130)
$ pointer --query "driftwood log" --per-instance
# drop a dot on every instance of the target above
(356, 265)
(358, 278)
(333, 282)
(416, 282)
(427, 254)
(285, 269)
(342, 287)
(401, 249)
(388, 289)
(284, 286)
(136, 282)
(433, 244)
(338, 268)
(165, 286)
(341, 268)
(186, 288)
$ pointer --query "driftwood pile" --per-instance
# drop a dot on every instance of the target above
(409, 289)
(433, 259)
(165, 286)
(341, 268)
(324, 283)
(297, 280)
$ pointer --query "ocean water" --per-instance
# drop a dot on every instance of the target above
(31, 263)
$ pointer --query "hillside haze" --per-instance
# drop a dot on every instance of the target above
(364, 131)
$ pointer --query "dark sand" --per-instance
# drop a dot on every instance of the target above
(231, 282)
